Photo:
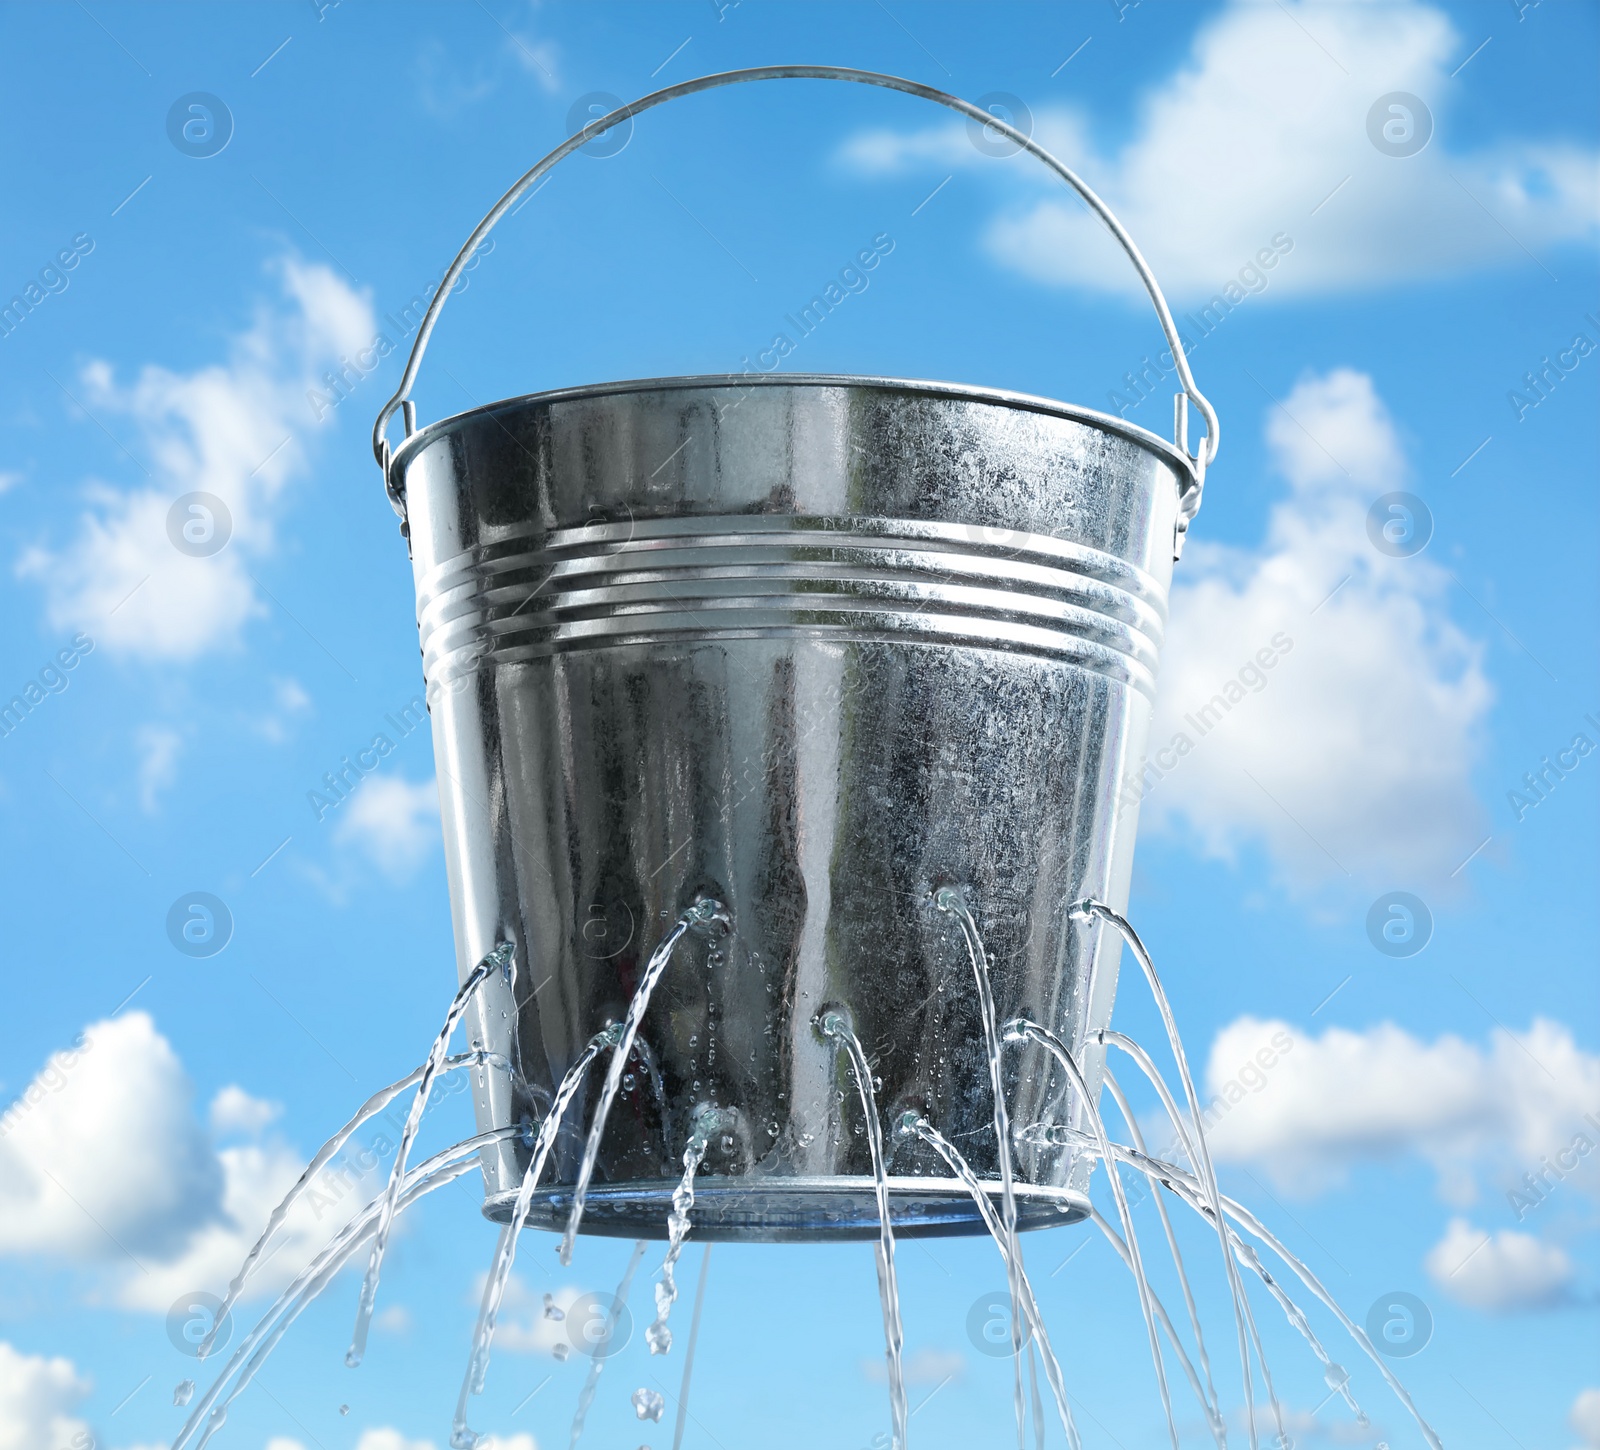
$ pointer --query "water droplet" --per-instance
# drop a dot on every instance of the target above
(726, 1142)
(344, 1409)
(648, 1404)
(552, 1310)
(628, 1081)
(183, 1392)
(772, 1130)
(561, 1351)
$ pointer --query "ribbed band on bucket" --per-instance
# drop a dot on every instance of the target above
(685, 580)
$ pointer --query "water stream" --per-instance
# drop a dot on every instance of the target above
(996, 1202)
(600, 1352)
(324, 1155)
(1089, 909)
(703, 914)
(1022, 1030)
(462, 1436)
(707, 1121)
(914, 1124)
(834, 1023)
(257, 1346)
(501, 960)
(950, 902)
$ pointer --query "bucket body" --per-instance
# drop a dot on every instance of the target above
(814, 647)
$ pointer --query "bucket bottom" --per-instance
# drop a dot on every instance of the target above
(791, 1210)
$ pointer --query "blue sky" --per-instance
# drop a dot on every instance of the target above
(188, 307)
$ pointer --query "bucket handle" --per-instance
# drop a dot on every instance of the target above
(1189, 502)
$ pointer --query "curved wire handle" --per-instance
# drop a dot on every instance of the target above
(1189, 503)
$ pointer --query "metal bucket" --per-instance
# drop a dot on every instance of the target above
(814, 647)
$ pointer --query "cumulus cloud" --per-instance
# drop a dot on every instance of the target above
(233, 430)
(527, 1324)
(233, 1110)
(158, 763)
(1584, 1418)
(37, 1398)
(1316, 698)
(282, 1442)
(101, 1155)
(392, 822)
(925, 1367)
(1304, 1110)
(386, 1438)
(1499, 1272)
(289, 702)
(448, 84)
(102, 1161)
(1263, 123)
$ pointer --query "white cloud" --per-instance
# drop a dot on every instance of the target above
(37, 1397)
(158, 763)
(256, 1177)
(393, 1319)
(1584, 1418)
(525, 1325)
(282, 1442)
(386, 1438)
(102, 1156)
(1500, 1272)
(521, 1441)
(234, 430)
(1315, 696)
(447, 86)
(290, 700)
(233, 1110)
(1312, 1107)
(392, 821)
(925, 1367)
(1264, 120)
(102, 1161)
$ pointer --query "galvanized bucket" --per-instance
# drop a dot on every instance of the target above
(813, 647)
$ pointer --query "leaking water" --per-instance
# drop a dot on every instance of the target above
(834, 1023)
(949, 901)
(707, 1122)
(704, 913)
(461, 1436)
(499, 960)
(632, 1058)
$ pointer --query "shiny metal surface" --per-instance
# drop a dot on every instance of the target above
(814, 647)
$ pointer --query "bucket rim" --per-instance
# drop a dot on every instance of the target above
(1168, 451)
